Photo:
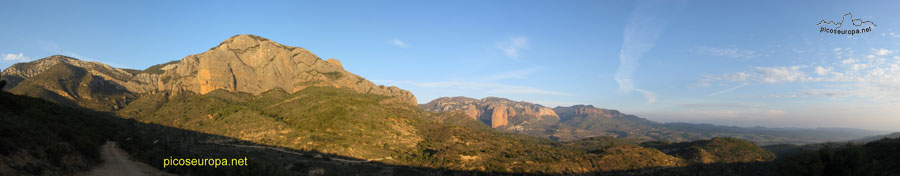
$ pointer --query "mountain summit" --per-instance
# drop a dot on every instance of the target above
(242, 63)
(252, 64)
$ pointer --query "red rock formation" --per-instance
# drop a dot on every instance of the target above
(491, 110)
(499, 115)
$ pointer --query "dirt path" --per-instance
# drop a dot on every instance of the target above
(117, 162)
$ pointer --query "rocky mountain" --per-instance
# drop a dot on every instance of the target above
(496, 112)
(562, 123)
(252, 64)
(70, 81)
(586, 111)
(17, 73)
(242, 63)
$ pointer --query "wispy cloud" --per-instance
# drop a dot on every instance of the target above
(719, 110)
(876, 77)
(485, 84)
(728, 90)
(780, 74)
(486, 87)
(762, 74)
(16, 57)
(642, 29)
(515, 74)
(649, 96)
(399, 43)
(513, 46)
(726, 52)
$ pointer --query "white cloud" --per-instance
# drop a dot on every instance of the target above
(738, 76)
(875, 79)
(848, 61)
(840, 53)
(780, 74)
(513, 46)
(726, 52)
(16, 57)
(822, 71)
(399, 43)
(882, 51)
(759, 75)
(858, 66)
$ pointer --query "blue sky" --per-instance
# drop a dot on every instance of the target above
(743, 63)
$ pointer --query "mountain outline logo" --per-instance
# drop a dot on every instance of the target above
(854, 21)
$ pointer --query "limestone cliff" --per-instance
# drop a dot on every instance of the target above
(496, 112)
(560, 123)
(586, 111)
(252, 64)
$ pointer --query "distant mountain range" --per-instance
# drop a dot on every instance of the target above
(875, 138)
(583, 121)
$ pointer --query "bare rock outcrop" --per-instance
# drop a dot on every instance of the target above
(493, 111)
(252, 64)
(471, 111)
(587, 111)
(500, 115)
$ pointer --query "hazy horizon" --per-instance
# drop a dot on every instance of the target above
(727, 63)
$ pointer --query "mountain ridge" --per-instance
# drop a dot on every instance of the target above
(241, 63)
(585, 121)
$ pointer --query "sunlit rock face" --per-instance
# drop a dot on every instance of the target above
(252, 64)
(496, 112)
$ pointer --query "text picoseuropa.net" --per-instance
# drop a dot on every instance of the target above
(215, 162)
